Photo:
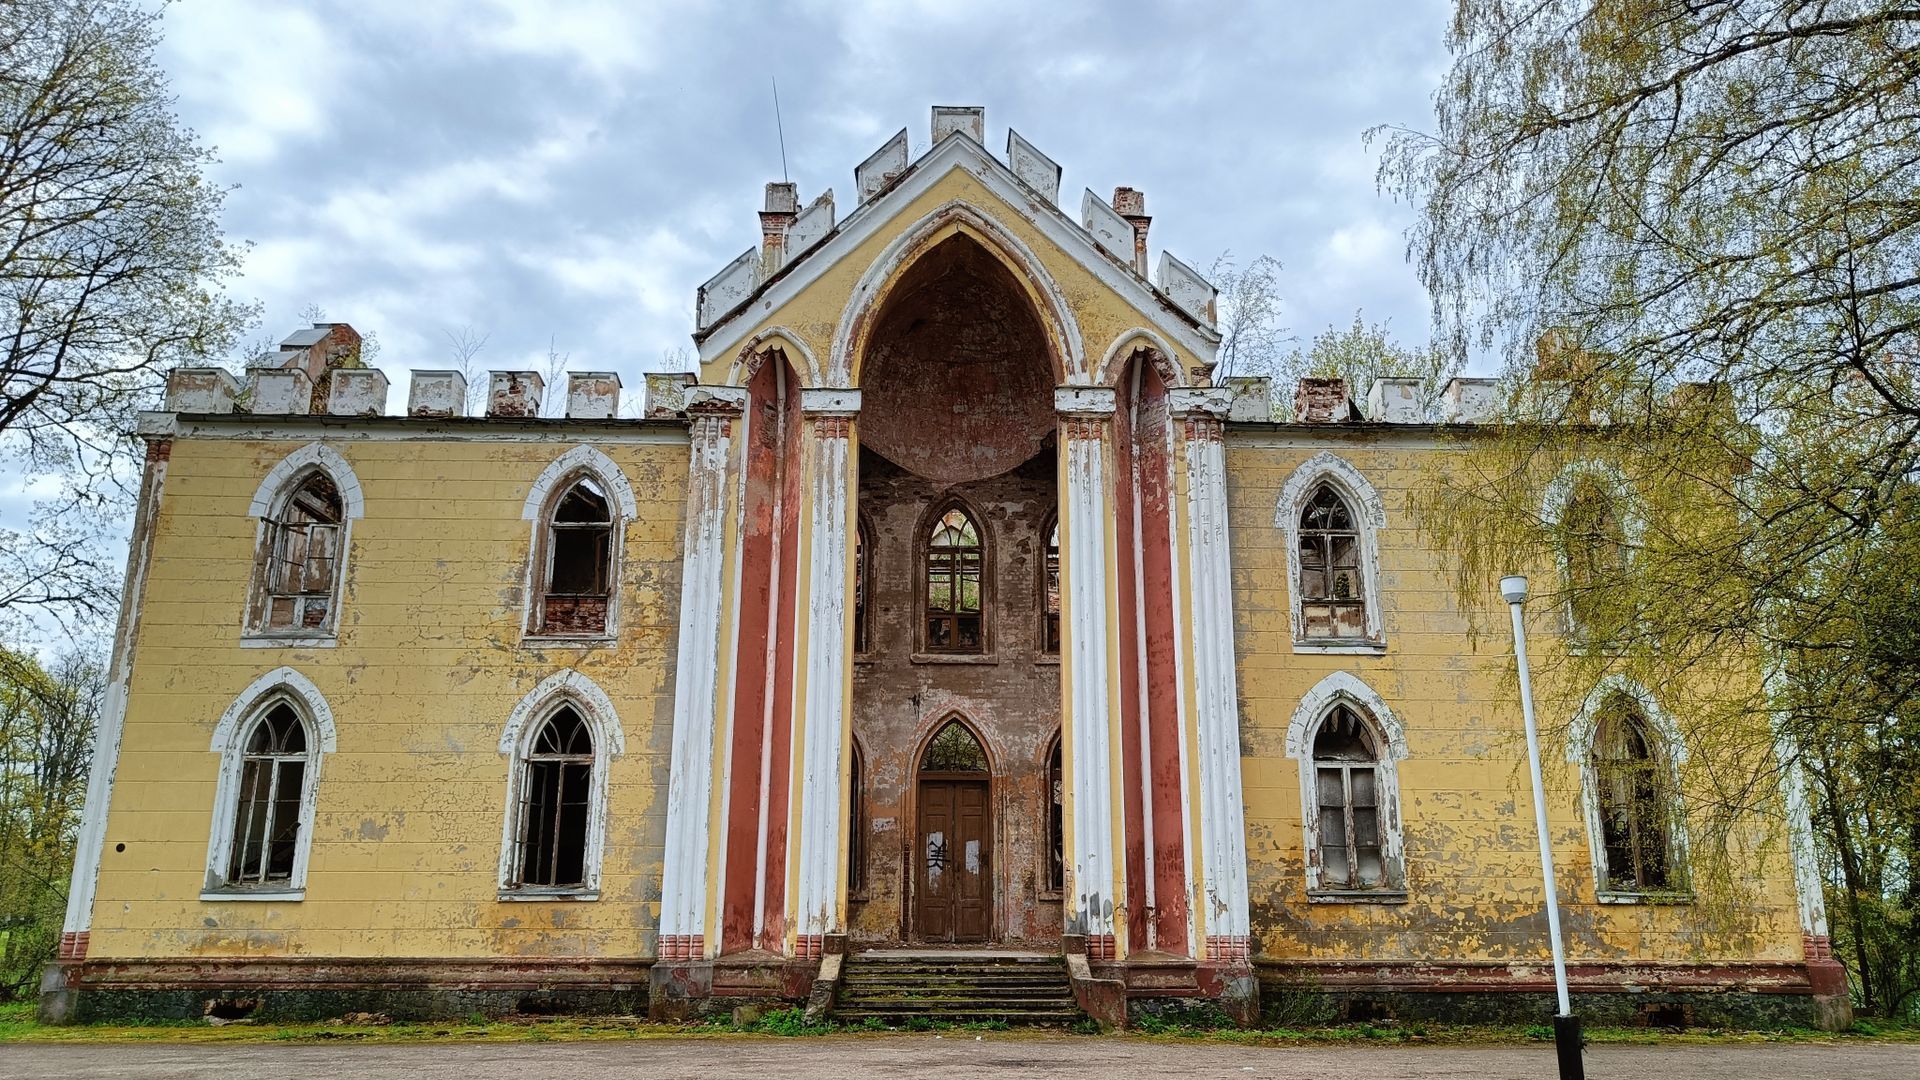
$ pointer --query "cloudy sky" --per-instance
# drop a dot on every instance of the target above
(568, 174)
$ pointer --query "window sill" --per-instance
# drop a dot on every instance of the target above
(256, 639)
(522, 896)
(1614, 896)
(863, 659)
(255, 895)
(1341, 647)
(954, 658)
(1051, 659)
(1051, 897)
(1357, 896)
(569, 641)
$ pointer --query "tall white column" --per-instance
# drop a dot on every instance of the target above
(1086, 416)
(822, 757)
(1223, 836)
(683, 887)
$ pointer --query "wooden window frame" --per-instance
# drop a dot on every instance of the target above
(545, 549)
(1049, 587)
(531, 764)
(271, 557)
(924, 652)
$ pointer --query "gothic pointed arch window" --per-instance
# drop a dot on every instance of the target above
(270, 741)
(1333, 516)
(301, 553)
(1633, 802)
(856, 824)
(1333, 595)
(576, 592)
(267, 822)
(1349, 744)
(862, 587)
(1056, 820)
(954, 595)
(954, 749)
(556, 786)
(1050, 588)
(1594, 552)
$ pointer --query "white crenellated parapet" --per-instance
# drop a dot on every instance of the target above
(1033, 168)
(1097, 865)
(357, 392)
(667, 393)
(811, 226)
(437, 394)
(969, 120)
(201, 390)
(1395, 401)
(1223, 849)
(882, 167)
(683, 883)
(725, 290)
(1470, 401)
(1185, 286)
(514, 393)
(279, 391)
(823, 754)
(1112, 232)
(1252, 399)
(593, 395)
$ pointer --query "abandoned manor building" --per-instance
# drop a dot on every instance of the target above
(950, 640)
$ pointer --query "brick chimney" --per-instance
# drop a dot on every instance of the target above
(1321, 401)
(1132, 205)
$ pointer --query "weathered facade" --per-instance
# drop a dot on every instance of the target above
(949, 603)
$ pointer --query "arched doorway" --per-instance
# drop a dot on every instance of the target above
(953, 856)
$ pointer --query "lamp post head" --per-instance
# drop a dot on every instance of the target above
(1514, 589)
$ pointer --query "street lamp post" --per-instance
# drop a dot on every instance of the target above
(1566, 1026)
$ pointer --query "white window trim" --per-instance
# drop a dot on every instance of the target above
(1370, 516)
(229, 741)
(274, 490)
(577, 463)
(1344, 688)
(564, 687)
(1674, 755)
(1553, 509)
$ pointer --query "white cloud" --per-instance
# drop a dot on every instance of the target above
(250, 77)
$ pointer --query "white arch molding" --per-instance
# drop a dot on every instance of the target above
(314, 455)
(566, 687)
(282, 684)
(1672, 753)
(787, 341)
(580, 459)
(1123, 348)
(1337, 689)
(1371, 516)
(871, 292)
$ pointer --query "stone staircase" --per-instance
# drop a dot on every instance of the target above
(951, 987)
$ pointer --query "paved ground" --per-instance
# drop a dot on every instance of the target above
(953, 1056)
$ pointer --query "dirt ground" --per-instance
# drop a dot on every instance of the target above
(951, 1056)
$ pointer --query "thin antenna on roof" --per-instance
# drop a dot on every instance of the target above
(781, 128)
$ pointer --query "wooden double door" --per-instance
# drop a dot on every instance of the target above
(953, 861)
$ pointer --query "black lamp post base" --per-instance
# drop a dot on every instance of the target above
(1567, 1044)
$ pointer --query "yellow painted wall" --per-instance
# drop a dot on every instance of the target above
(406, 843)
(1472, 869)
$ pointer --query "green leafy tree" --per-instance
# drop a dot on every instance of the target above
(47, 719)
(1362, 352)
(1691, 228)
(111, 266)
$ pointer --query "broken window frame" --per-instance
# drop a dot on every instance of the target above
(856, 824)
(1345, 696)
(1647, 825)
(235, 815)
(1319, 544)
(950, 563)
(553, 536)
(1594, 547)
(582, 770)
(1049, 598)
(309, 512)
(1350, 772)
(862, 587)
(1056, 871)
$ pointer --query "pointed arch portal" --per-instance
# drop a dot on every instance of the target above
(953, 856)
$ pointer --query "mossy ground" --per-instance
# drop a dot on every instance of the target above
(17, 1024)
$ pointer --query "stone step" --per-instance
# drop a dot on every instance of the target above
(1035, 1017)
